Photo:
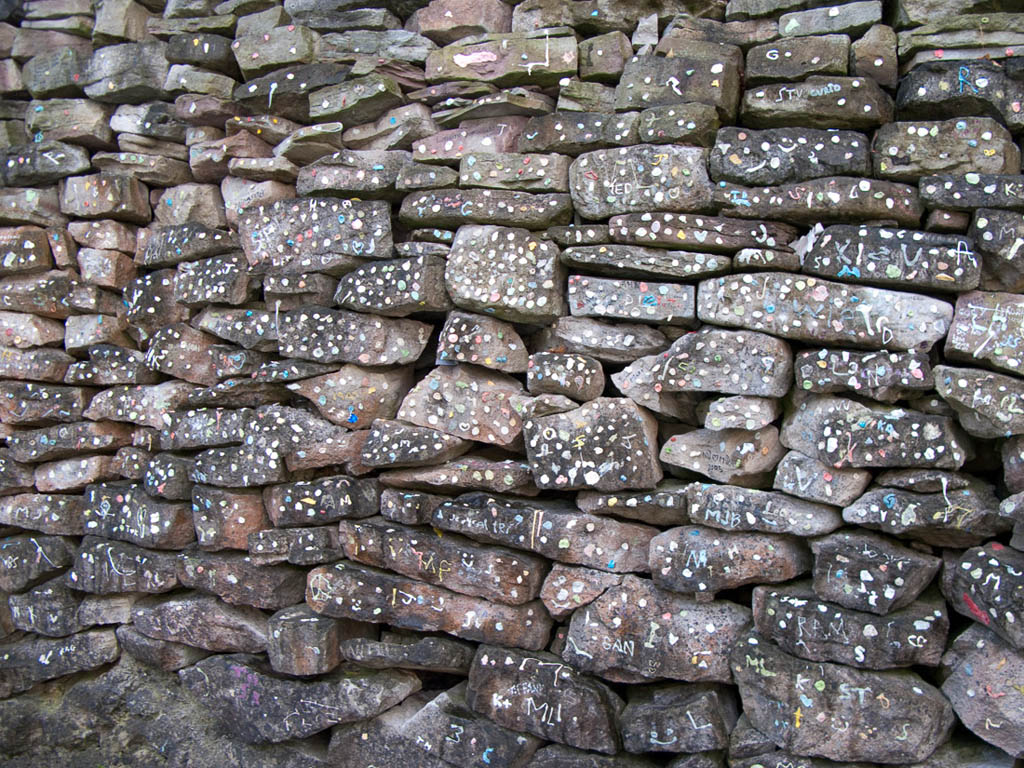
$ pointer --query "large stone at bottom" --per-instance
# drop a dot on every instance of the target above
(540, 694)
(832, 711)
(636, 630)
(258, 706)
(985, 687)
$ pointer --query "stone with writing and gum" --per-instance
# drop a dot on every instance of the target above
(549, 528)
(797, 58)
(985, 584)
(316, 502)
(258, 706)
(703, 561)
(807, 478)
(327, 336)
(467, 473)
(254, 329)
(608, 342)
(201, 621)
(608, 444)
(820, 311)
(784, 155)
(702, 72)
(481, 340)
(820, 101)
(907, 151)
(396, 287)
(579, 377)
(985, 673)
(28, 560)
(37, 659)
(638, 631)
(802, 624)
(409, 650)
(51, 610)
(304, 643)
(498, 207)
(149, 302)
(125, 512)
(224, 519)
(234, 578)
(689, 123)
(573, 133)
(688, 717)
(517, 690)
(691, 232)
(355, 397)
(735, 456)
(350, 590)
(890, 257)
(105, 567)
(845, 433)
(455, 562)
(478, 738)
(170, 245)
(984, 330)
(567, 588)
(665, 505)
(485, 396)
(732, 508)
(778, 691)
(394, 444)
(534, 58)
(883, 376)
(870, 572)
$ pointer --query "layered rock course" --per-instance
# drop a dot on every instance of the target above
(539, 384)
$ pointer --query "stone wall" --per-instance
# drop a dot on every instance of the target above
(569, 384)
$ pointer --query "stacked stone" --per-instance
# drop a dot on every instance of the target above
(562, 385)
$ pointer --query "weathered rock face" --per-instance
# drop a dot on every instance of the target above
(479, 374)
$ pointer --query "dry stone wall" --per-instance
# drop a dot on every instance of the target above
(561, 384)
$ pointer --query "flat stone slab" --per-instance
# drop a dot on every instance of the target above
(410, 651)
(517, 690)
(248, 328)
(973, 190)
(455, 562)
(824, 312)
(328, 336)
(703, 561)
(797, 58)
(984, 330)
(201, 621)
(349, 590)
(717, 360)
(608, 342)
(256, 705)
(870, 572)
(552, 529)
(906, 151)
(855, 103)
(56, 514)
(731, 508)
(27, 560)
(777, 701)
(639, 631)
(315, 234)
(539, 58)
(110, 567)
(452, 208)
(844, 433)
(37, 659)
(573, 133)
(567, 588)
(468, 473)
(615, 446)
(785, 155)
(980, 661)
(237, 580)
(510, 170)
(143, 405)
(801, 624)
(960, 89)
(827, 200)
(986, 584)
(890, 257)
(395, 444)
(667, 303)
(638, 178)
(709, 234)
(884, 376)
(638, 261)
(960, 517)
